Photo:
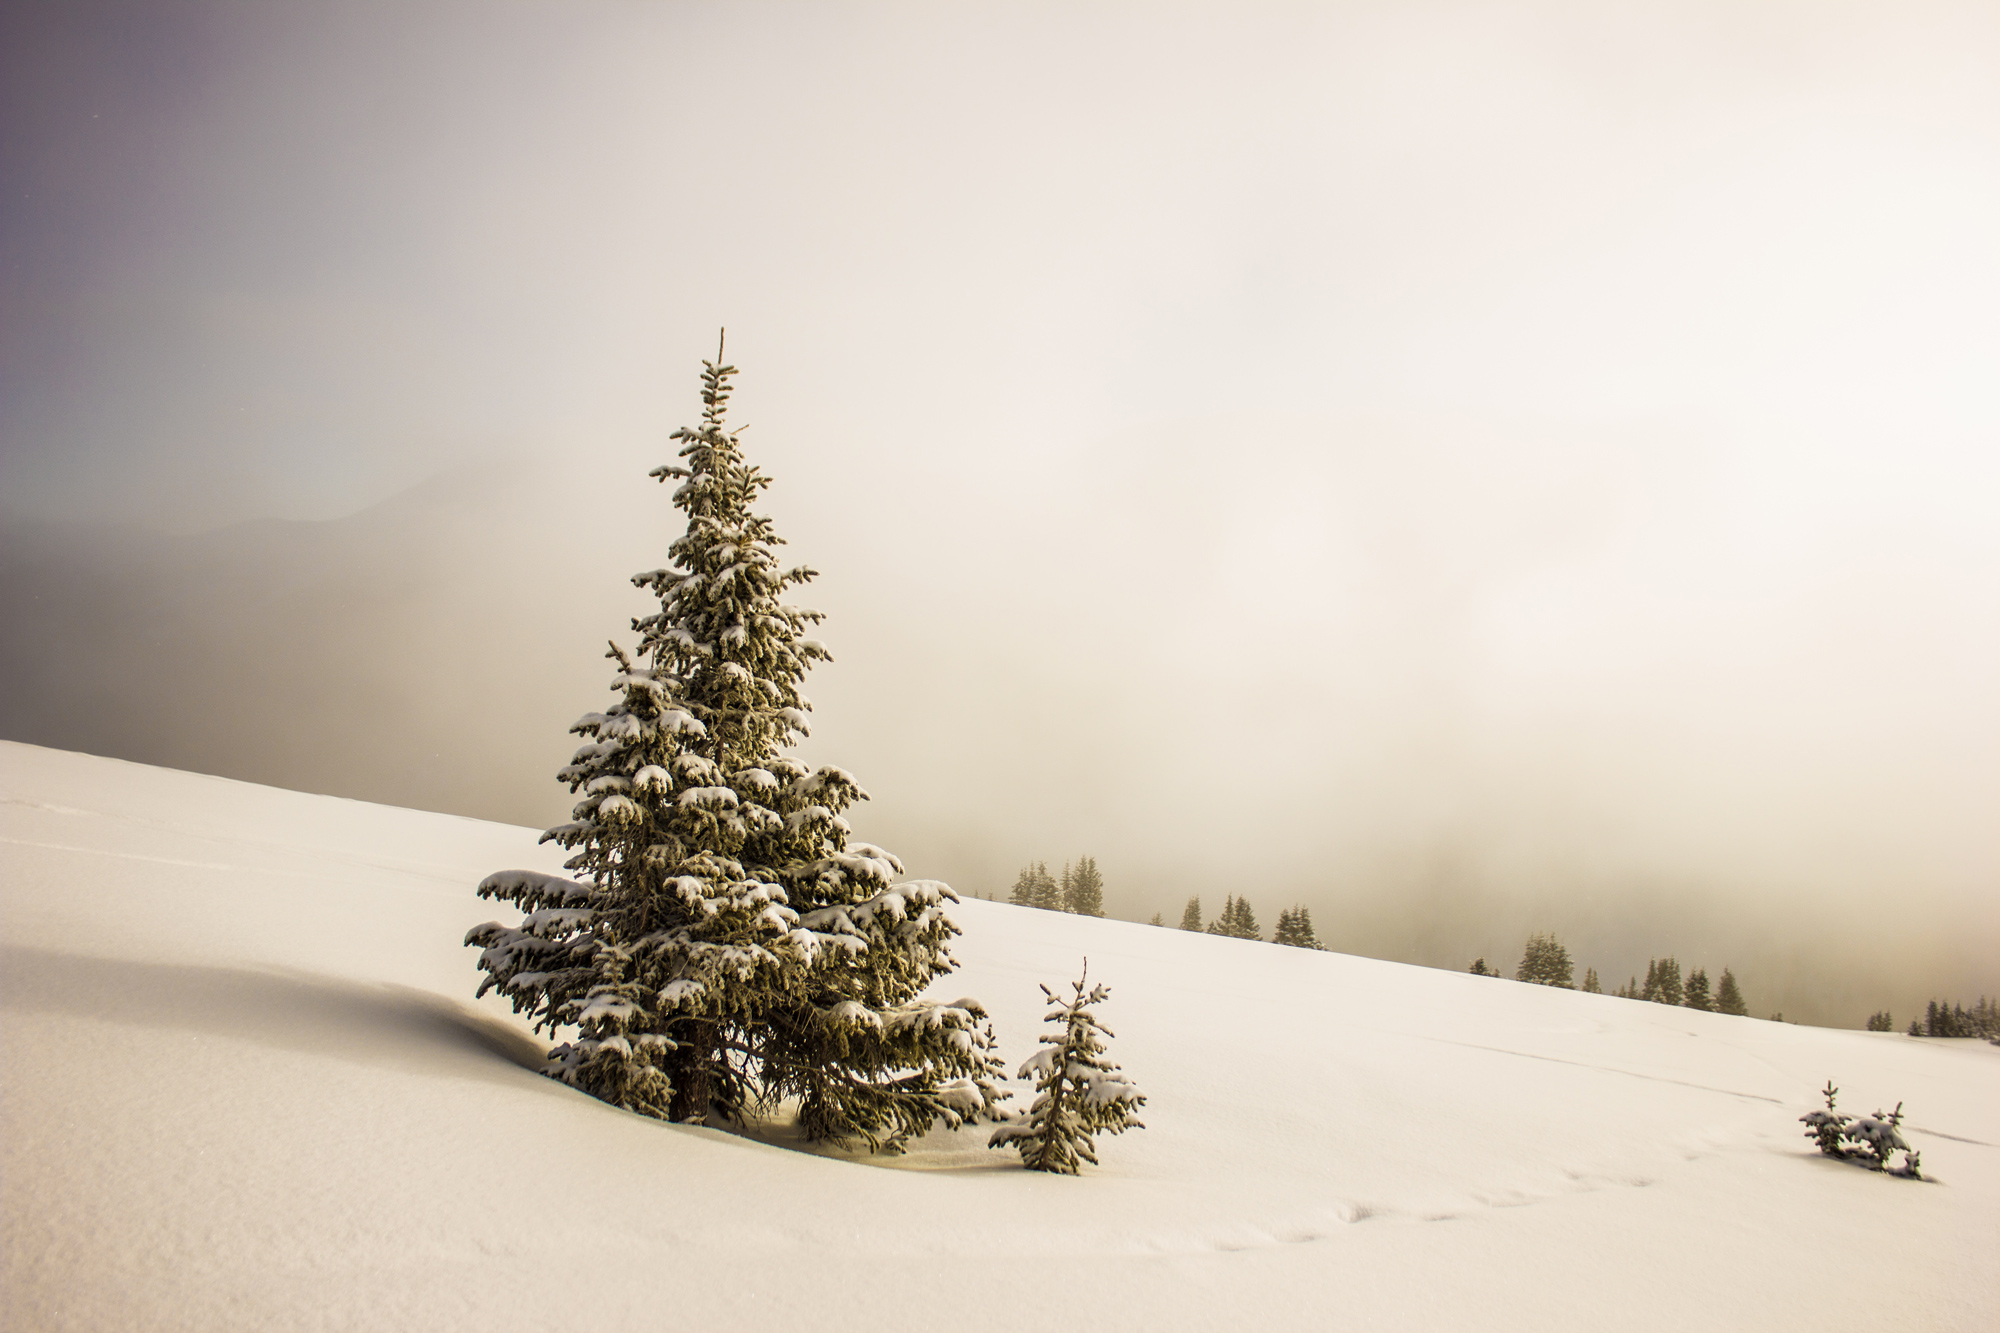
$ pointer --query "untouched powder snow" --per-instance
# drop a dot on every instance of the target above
(247, 1088)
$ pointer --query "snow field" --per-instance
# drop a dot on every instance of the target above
(247, 1088)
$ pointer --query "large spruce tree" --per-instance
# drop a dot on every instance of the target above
(724, 944)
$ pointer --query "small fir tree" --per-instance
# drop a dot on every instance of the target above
(1545, 962)
(1695, 994)
(1191, 914)
(1079, 1093)
(1590, 984)
(1881, 1022)
(1729, 997)
(724, 942)
(1085, 893)
(1479, 968)
(1157, 920)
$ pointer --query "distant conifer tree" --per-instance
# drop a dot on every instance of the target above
(1084, 894)
(1078, 1091)
(1048, 889)
(1480, 969)
(724, 943)
(1666, 982)
(1590, 986)
(1881, 1022)
(1295, 928)
(1237, 920)
(1157, 920)
(1695, 994)
(1036, 887)
(1545, 962)
(1728, 998)
(1191, 914)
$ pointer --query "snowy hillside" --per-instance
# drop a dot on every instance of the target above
(247, 1089)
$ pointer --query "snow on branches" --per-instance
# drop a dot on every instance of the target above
(724, 944)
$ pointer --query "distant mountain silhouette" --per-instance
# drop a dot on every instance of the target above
(428, 651)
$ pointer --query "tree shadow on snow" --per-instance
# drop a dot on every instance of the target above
(389, 1026)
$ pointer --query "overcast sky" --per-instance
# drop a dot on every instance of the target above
(1533, 449)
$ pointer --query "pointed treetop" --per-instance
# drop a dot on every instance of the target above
(715, 385)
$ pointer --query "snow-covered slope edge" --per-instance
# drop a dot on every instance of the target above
(246, 1088)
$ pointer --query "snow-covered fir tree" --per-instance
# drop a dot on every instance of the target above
(1295, 927)
(1191, 914)
(724, 943)
(1480, 968)
(1083, 892)
(1545, 962)
(1079, 1092)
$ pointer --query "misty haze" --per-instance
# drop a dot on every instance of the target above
(1467, 473)
(1500, 493)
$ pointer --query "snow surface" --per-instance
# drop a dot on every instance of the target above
(246, 1088)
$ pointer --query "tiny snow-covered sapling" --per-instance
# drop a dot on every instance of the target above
(1078, 1091)
(1827, 1127)
(1871, 1138)
(1875, 1136)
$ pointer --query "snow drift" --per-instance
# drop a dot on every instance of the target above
(247, 1088)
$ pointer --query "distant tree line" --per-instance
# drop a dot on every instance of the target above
(1545, 962)
(1951, 1020)
(1239, 921)
(1080, 890)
